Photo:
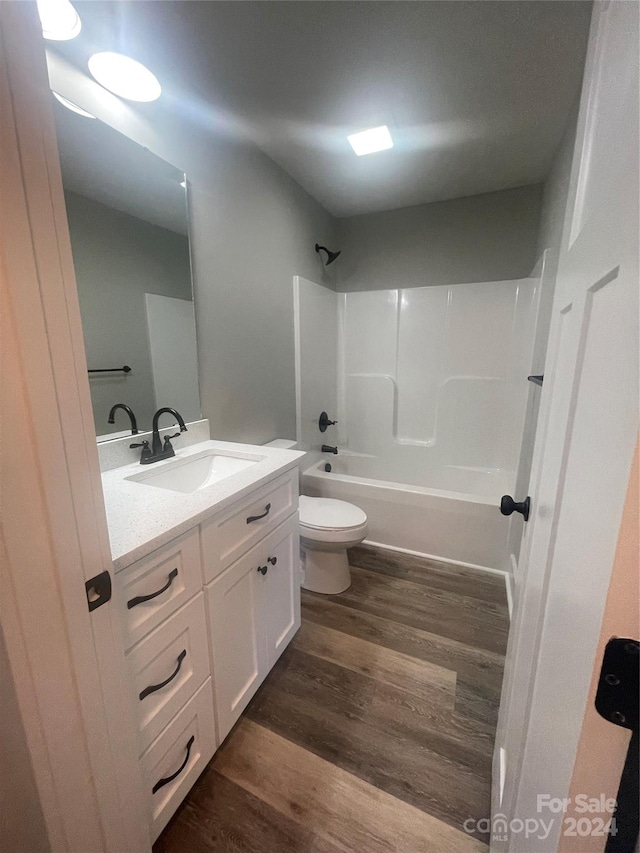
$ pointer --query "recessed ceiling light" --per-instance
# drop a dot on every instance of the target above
(71, 106)
(60, 21)
(124, 76)
(370, 141)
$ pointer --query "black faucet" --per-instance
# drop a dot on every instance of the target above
(158, 450)
(327, 449)
(111, 419)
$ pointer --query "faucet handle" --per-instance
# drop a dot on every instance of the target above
(168, 438)
(143, 444)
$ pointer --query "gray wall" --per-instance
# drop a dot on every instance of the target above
(253, 229)
(118, 258)
(490, 237)
(553, 209)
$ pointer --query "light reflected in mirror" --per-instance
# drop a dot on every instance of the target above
(128, 224)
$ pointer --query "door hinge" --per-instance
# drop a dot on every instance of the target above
(618, 686)
(617, 701)
(98, 590)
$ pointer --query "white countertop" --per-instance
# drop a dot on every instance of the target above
(141, 518)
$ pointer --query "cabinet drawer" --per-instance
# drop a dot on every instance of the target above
(156, 586)
(227, 536)
(177, 757)
(167, 667)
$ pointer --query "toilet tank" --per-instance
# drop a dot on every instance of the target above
(289, 444)
(282, 443)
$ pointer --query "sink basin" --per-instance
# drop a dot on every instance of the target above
(195, 472)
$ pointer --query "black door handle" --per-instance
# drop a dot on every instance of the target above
(258, 517)
(173, 574)
(152, 688)
(508, 505)
(162, 782)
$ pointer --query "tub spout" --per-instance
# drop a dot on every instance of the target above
(327, 449)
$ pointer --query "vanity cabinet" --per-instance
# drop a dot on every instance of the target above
(253, 611)
(205, 617)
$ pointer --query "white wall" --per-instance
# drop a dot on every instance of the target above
(432, 384)
(489, 237)
(316, 330)
(118, 258)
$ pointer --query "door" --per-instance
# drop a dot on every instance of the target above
(235, 604)
(282, 588)
(66, 662)
(583, 454)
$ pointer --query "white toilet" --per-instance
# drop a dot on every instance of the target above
(327, 528)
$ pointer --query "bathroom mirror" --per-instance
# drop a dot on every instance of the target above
(128, 223)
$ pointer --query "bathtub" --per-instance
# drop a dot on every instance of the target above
(460, 527)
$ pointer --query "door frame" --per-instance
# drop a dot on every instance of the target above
(67, 665)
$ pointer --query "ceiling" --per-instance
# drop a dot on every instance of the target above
(476, 93)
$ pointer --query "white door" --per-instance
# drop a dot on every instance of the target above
(584, 447)
(66, 661)
(282, 588)
(235, 603)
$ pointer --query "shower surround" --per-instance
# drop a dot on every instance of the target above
(431, 392)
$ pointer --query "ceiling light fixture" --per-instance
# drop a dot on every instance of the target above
(370, 141)
(124, 76)
(71, 106)
(60, 21)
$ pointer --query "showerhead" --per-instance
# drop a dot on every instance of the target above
(331, 256)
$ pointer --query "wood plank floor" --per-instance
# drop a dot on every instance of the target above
(374, 731)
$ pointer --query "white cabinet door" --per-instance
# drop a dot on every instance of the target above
(235, 609)
(281, 588)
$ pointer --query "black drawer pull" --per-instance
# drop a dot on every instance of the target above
(152, 688)
(162, 782)
(258, 517)
(173, 574)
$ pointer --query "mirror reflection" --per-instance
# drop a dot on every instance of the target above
(128, 224)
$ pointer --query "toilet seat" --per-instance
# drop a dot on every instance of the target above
(329, 514)
(329, 520)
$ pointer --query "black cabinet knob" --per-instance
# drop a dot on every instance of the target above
(272, 560)
(508, 505)
(263, 569)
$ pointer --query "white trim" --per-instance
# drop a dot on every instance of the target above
(485, 569)
(298, 365)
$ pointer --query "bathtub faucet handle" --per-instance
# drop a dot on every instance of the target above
(327, 449)
(324, 422)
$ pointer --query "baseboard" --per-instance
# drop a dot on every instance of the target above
(438, 559)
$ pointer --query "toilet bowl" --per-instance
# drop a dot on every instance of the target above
(327, 528)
